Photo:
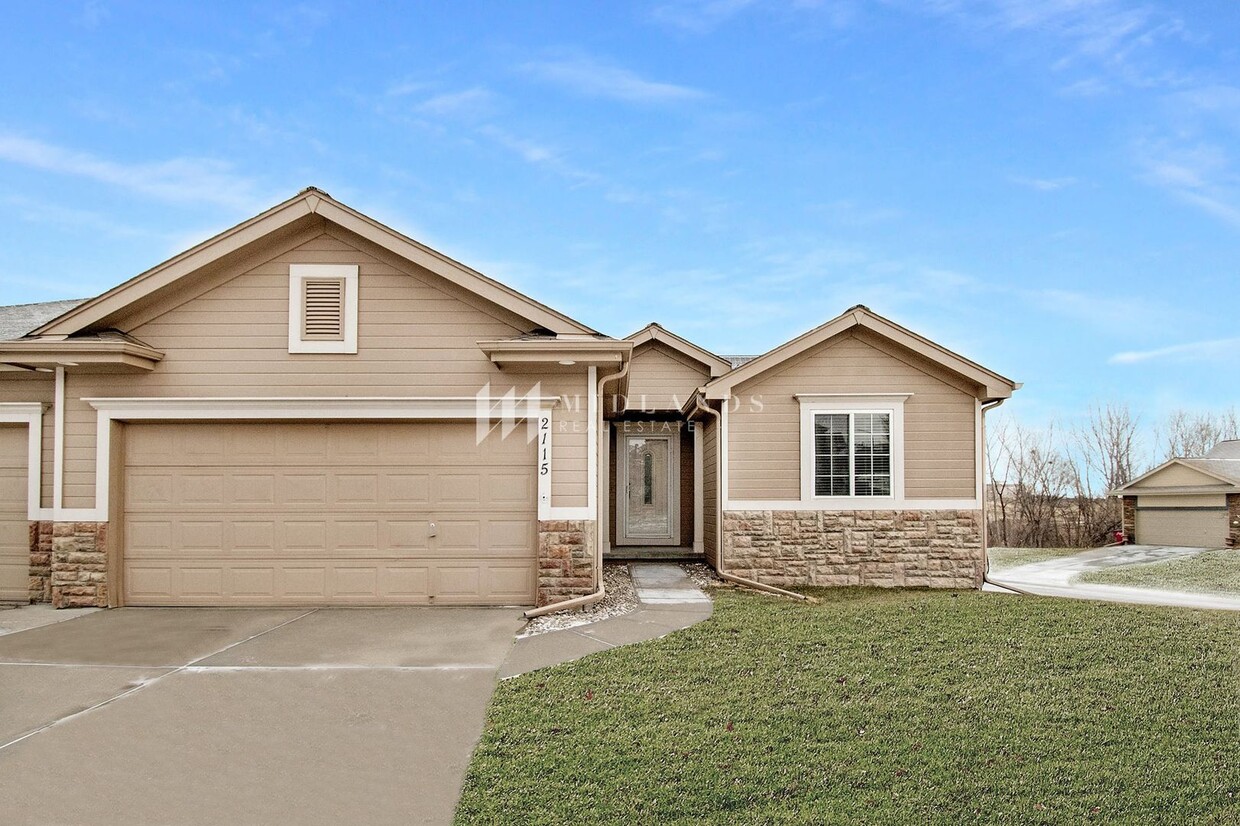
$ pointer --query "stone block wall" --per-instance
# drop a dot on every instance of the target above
(79, 575)
(1233, 519)
(922, 548)
(1129, 518)
(565, 559)
(41, 561)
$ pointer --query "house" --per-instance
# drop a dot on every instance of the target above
(1190, 502)
(311, 408)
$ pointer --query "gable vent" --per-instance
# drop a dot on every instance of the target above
(323, 309)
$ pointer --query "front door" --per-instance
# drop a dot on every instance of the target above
(648, 493)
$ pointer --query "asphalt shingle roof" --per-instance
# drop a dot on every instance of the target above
(18, 319)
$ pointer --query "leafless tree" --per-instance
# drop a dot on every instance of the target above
(1185, 433)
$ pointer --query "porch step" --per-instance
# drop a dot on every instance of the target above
(653, 553)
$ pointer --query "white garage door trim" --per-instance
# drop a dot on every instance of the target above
(379, 408)
(31, 415)
(342, 512)
(1152, 513)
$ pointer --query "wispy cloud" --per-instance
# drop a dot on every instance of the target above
(699, 15)
(591, 78)
(1043, 184)
(473, 102)
(177, 180)
(1209, 350)
(1200, 174)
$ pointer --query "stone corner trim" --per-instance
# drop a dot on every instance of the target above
(1233, 518)
(79, 565)
(1128, 517)
(41, 561)
(906, 548)
(565, 559)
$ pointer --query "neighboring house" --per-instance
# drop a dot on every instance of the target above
(1193, 502)
(311, 408)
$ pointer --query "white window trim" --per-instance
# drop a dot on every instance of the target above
(297, 276)
(821, 403)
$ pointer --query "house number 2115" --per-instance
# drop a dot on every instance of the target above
(544, 445)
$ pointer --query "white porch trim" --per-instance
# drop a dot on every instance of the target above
(854, 503)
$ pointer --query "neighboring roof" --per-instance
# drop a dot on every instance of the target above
(656, 332)
(308, 202)
(994, 385)
(737, 361)
(1226, 471)
(18, 319)
(1228, 449)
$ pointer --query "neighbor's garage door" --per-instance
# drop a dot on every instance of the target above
(327, 514)
(1191, 528)
(14, 520)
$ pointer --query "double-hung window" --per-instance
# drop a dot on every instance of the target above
(851, 447)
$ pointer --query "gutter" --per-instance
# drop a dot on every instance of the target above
(597, 596)
(720, 567)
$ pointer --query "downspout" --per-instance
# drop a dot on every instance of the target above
(597, 596)
(720, 568)
(985, 522)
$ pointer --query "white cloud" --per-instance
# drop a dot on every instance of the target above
(466, 103)
(178, 180)
(1200, 174)
(699, 15)
(1210, 350)
(593, 79)
(1043, 184)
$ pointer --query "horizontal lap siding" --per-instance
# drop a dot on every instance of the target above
(664, 377)
(764, 446)
(710, 490)
(415, 338)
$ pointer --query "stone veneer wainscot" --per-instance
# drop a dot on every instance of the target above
(79, 565)
(565, 559)
(910, 548)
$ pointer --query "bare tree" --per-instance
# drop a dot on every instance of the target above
(1185, 433)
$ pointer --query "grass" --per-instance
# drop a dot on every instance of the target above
(885, 707)
(1211, 572)
(1004, 558)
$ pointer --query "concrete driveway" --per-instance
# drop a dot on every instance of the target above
(171, 716)
(1059, 578)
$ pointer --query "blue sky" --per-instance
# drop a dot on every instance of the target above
(1051, 187)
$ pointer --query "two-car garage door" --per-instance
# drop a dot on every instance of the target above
(327, 514)
(1188, 527)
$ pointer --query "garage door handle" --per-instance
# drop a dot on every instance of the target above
(431, 529)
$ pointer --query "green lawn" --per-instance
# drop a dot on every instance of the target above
(1211, 572)
(879, 707)
(1003, 558)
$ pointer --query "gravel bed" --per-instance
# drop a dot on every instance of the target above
(703, 575)
(621, 598)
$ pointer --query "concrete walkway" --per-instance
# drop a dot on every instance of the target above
(668, 601)
(1058, 578)
(26, 617)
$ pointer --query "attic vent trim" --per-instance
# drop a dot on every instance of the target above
(323, 301)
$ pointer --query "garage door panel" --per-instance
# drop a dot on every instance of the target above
(342, 521)
(1189, 527)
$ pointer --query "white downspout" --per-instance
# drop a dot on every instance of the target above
(597, 596)
(720, 567)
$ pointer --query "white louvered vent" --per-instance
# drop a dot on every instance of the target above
(323, 309)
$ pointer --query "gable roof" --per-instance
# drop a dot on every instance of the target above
(1225, 471)
(656, 332)
(18, 319)
(994, 385)
(307, 203)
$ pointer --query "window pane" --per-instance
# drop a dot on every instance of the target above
(872, 454)
(832, 446)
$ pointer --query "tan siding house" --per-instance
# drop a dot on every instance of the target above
(1192, 502)
(312, 409)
